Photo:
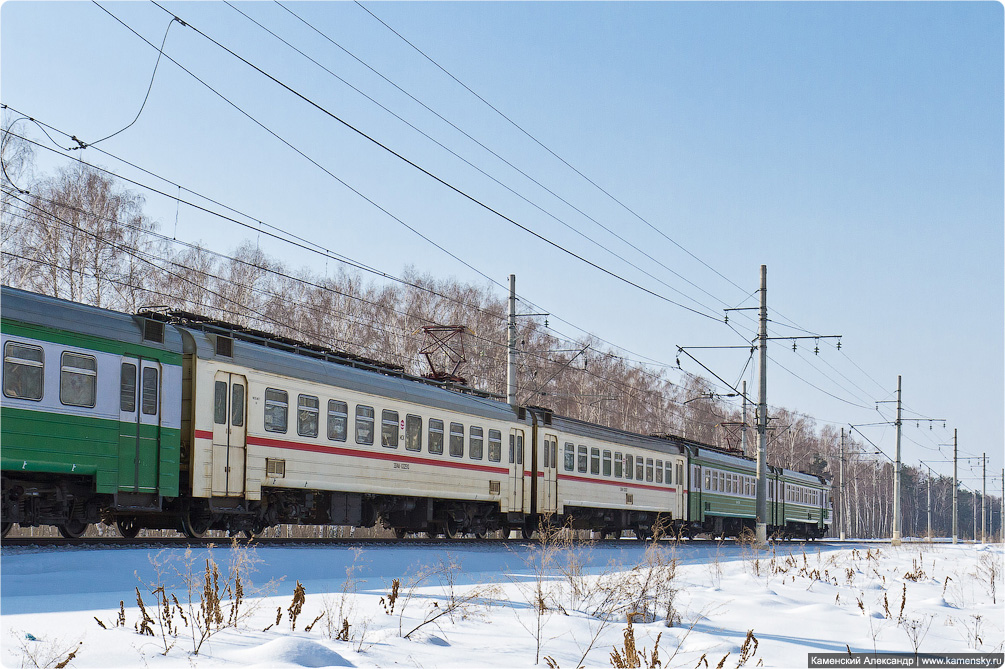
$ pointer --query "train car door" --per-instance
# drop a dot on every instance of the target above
(139, 425)
(516, 469)
(230, 432)
(548, 489)
(697, 512)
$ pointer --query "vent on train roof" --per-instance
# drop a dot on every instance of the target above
(224, 346)
(153, 330)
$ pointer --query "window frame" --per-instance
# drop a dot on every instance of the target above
(306, 410)
(8, 358)
(273, 403)
(390, 428)
(413, 432)
(333, 418)
(456, 440)
(92, 374)
(495, 445)
(476, 440)
(434, 446)
(362, 420)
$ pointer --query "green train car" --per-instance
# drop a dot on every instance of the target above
(722, 496)
(91, 414)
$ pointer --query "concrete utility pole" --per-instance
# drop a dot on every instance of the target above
(841, 486)
(984, 494)
(895, 541)
(743, 425)
(956, 494)
(761, 511)
(511, 345)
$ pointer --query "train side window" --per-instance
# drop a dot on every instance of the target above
(495, 445)
(219, 401)
(78, 379)
(276, 409)
(307, 415)
(668, 476)
(659, 471)
(237, 405)
(457, 440)
(618, 464)
(722, 481)
(519, 449)
(649, 470)
(389, 428)
(545, 454)
(436, 436)
(127, 388)
(640, 469)
(629, 466)
(364, 425)
(23, 365)
(338, 420)
(680, 473)
(607, 463)
(582, 460)
(570, 457)
(708, 480)
(476, 442)
(512, 448)
(148, 403)
(413, 433)
(595, 461)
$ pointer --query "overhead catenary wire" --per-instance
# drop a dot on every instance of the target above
(438, 179)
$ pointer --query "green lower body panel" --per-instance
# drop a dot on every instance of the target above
(108, 450)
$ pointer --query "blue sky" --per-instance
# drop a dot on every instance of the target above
(856, 149)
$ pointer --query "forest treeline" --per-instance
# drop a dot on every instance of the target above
(79, 235)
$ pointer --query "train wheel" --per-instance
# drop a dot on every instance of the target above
(5, 529)
(642, 533)
(611, 534)
(399, 533)
(195, 524)
(128, 527)
(431, 531)
(73, 529)
(481, 534)
(451, 529)
(527, 531)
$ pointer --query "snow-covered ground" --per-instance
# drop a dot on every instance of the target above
(508, 604)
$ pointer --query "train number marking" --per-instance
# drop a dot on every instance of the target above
(401, 465)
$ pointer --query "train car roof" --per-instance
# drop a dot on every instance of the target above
(319, 370)
(53, 312)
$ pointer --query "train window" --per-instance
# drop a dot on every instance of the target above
(364, 424)
(722, 481)
(307, 415)
(618, 465)
(435, 436)
(495, 445)
(413, 433)
(570, 457)
(519, 448)
(338, 420)
(276, 405)
(476, 442)
(640, 469)
(680, 473)
(649, 470)
(78, 380)
(607, 463)
(237, 405)
(389, 429)
(582, 460)
(127, 388)
(668, 473)
(708, 480)
(512, 449)
(547, 452)
(457, 440)
(22, 371)
(554, 453)
(219, 402)
(659, 471)
(148, 402)
(595, 461)
(629, 466)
